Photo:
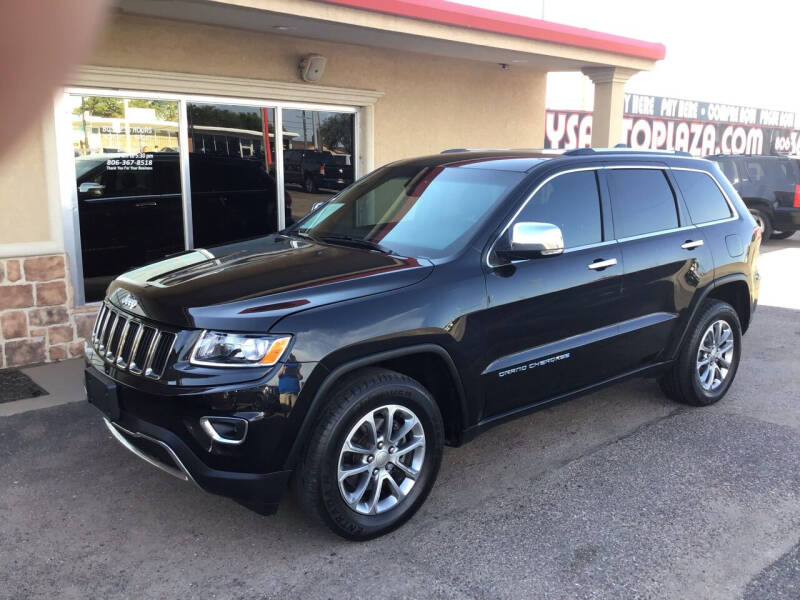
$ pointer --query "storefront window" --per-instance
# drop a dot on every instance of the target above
(127, 172)
(317, 157)
(232, 172)
(134, 186)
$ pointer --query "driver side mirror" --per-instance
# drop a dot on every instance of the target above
(91, 188)
(532, 240)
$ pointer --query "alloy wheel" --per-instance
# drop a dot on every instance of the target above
(381, 459)
(715, 355)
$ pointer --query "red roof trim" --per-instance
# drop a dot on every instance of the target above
(461, 15)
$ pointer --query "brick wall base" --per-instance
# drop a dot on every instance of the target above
(38, 320)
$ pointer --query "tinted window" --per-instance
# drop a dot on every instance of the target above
(642, 201)
(729, 168)
(572, 202)
(703, 198)
(125, 182)
(756, 170)
(775, 174)
(788, 172)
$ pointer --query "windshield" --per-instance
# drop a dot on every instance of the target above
(411, 210)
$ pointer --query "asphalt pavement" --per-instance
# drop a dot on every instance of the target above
(620, 494)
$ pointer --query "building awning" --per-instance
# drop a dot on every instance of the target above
(434, 27)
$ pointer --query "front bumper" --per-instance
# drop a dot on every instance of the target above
(162, 422)
(164, 450)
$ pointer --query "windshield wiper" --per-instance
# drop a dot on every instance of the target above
(347, 240)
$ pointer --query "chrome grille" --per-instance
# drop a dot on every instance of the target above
(130, 344)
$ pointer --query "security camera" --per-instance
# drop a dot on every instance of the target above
(312, 67)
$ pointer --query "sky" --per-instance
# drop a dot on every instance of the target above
(734, 52)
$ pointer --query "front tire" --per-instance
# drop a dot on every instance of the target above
(708, 361)
(374, 455)
(781, 235)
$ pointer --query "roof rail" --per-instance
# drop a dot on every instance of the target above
(553, 151)
(621, 150)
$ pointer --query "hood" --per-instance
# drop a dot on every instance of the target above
(249, 286)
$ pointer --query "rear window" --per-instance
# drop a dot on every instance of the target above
(703, 197)
(642, 201)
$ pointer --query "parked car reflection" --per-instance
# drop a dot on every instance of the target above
(130, 208)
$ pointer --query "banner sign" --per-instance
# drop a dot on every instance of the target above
(701, 128)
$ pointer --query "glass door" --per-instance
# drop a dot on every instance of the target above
(318, 156)
(232, 172)
(127, 174)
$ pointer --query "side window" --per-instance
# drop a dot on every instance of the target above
(787, 174)
(729, 168)
(703, 198)
(642, 201)
(126, 182)
(756, 170)
(572, 202)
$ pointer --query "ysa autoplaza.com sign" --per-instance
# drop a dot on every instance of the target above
(701, 128)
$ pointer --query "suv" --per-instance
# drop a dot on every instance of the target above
(770, 187)
(431, 300)
(317, 169)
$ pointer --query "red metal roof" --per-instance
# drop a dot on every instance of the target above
(451, 13)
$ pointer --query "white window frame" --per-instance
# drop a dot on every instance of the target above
(185, 88)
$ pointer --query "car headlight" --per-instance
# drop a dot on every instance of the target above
(219, 349)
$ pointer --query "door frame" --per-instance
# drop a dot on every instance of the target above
(184, 88)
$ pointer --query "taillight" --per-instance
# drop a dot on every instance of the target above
(322, 169)
(796, 203)
(757, 234)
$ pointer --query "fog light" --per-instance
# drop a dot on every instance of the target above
(225, 430)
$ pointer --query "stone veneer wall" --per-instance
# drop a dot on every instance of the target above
(38, 320)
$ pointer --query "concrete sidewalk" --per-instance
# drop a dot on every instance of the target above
(63, 382)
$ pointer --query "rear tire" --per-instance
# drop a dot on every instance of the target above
(781, 235)
(763, 221)
(394, 462)
(709, 358)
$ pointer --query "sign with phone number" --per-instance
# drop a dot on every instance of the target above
(135, 162)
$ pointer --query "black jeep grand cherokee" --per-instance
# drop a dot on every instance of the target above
(430, 300)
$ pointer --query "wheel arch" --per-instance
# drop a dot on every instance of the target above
(733, 289)
(759, 202)
(430, 364)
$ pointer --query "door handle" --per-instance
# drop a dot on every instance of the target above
(600, 264)
(689, 244)
(145, 204)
